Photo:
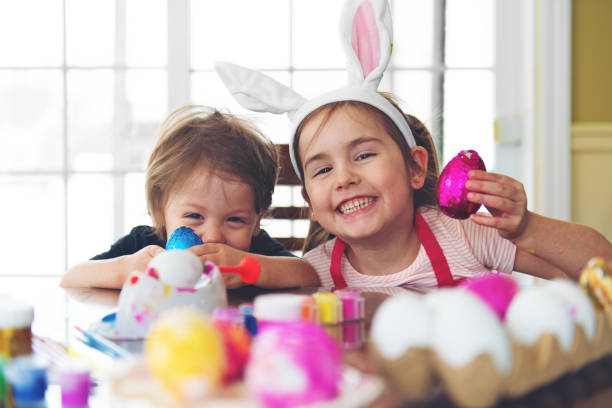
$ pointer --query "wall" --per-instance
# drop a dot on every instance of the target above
(592, 114)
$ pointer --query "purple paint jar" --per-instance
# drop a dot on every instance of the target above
(74, 379)
(353, 304)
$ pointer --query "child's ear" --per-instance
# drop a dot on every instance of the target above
(307, 199)
(257, 228)
(418, 171)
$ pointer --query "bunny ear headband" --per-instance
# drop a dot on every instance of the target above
(366, 34)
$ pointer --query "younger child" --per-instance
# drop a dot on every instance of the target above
(214, 173)
(369, 177)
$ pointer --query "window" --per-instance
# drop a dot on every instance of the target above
(82, 97)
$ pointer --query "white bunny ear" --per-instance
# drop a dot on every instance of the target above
(257, 91)
(366, 32)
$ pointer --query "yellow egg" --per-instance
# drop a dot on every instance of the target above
(596, 280)
(185, 353)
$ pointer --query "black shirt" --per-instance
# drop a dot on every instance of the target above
(143, 236)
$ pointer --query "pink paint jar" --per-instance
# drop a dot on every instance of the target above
(353, 304)
(353, 334)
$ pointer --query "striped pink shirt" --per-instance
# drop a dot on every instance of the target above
(470, 250)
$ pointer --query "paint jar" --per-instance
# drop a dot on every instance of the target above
(15, 328)
(353, 304)
(74, 378)
(27, 377)
(250, 322)
(330, 307)
(353, 334)
(284, 307)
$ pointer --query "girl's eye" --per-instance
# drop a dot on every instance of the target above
(237, 219)
(322, 171)
(364, 156)
(194, 216)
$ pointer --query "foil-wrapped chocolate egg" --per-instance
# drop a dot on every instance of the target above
(596, 281)
(183, 238)
(452, 194)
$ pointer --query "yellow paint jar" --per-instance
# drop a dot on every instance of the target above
(330, 307)
(15, 328)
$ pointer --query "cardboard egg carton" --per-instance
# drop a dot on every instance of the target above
(529, 356)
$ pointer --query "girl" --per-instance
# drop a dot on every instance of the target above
(369, 177)
(214, 173)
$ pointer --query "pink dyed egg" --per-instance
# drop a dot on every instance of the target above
(452, 194)
(293, 364)
(497, 291)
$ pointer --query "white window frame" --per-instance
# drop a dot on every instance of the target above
(533, 99)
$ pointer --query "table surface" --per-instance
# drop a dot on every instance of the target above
(57, 310)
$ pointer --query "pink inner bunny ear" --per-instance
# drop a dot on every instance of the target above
(364, 38)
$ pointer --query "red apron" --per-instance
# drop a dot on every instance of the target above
(429, 242)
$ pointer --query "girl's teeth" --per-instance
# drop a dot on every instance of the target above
(354, 205)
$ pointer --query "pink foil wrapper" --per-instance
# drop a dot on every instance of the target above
(452, 194)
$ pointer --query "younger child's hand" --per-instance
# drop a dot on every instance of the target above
(139, 261)
(504, 197)
(224, 255)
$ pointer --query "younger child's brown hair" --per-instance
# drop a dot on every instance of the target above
(192, 136)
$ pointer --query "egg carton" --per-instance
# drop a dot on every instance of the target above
(451, 338)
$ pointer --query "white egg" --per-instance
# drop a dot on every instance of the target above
(177, 268)
(401, 322)
(537, 310)
(581, 308)
(465, 327)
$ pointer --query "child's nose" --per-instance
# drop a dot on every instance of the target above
(212, 234)
(345, 176)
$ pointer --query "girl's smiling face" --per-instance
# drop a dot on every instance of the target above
(218, 208)
(356, 181)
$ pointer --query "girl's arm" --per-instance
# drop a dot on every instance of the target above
(565, 245)
(530, 264)
(108, 273)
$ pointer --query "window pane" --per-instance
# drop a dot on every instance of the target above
(32, 216)
(468, 114)
(207, 89)
(316, 42)
(90, 32)
(139, 120)
(31, 124)
(247, 32)
(315, 83)
(31, 32)
(90, 224)
(413, 33)
(135, 203)
(413, 89)
(147, 33)
(470, 33)
(90, 119)
(35, 292)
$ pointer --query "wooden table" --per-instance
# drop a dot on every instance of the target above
(57, 310)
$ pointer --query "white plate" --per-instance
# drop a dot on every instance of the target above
(133, 386)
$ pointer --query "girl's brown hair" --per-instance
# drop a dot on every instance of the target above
(192, 136)
(425, 196)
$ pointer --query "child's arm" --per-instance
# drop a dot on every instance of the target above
(276, 271)
(108, 273)
(565, 245)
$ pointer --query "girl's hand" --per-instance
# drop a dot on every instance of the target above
(224, 255)
(504, 197)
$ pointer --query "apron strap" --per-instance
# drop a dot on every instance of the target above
(336, 260)
(430, 244)
(434, 252)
